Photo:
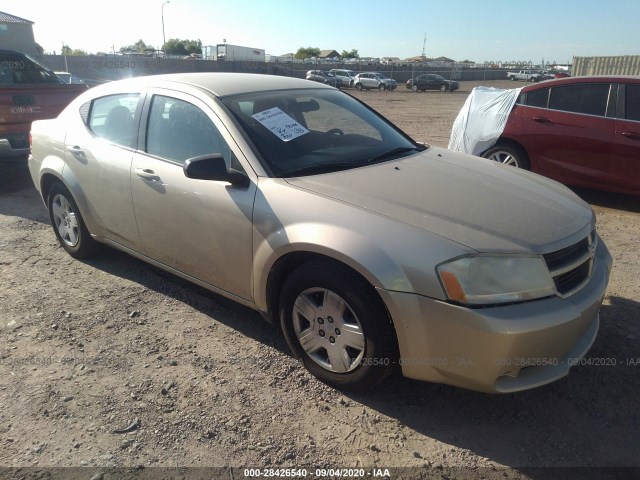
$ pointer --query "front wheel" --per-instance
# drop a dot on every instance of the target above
(68, 224)
(336, 324)
(508, 155)
(443, 88)
(381, 87)
(358, 87)
(414, 88)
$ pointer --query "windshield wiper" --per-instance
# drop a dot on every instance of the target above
(393, 153)
(321, 168)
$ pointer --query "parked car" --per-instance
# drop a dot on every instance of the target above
(28, 91)
(561, 75)
(371, 80)
(525, 75)
(432, 82)
(277, 194)
(582, 131)
(67, 77)
(321, 77)
(345, 77)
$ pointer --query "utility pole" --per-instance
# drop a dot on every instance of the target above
(164, 39)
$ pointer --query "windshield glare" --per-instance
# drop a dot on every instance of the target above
(316, 130)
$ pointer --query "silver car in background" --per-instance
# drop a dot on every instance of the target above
(374, 80)
(345, 77)
(369, 250)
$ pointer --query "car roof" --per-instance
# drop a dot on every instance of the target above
(585, 79)
(218, 83)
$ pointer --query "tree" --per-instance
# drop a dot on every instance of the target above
(308, 52)
(71, 52)
(139, 47)
(175, 46)
(351, 54)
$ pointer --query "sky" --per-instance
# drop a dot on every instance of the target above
(477, 30)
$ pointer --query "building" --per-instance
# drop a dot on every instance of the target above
(17, 34)
(620, 65)
(329, 55)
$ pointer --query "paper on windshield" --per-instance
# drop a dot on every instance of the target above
(482, 119)
(280, 124)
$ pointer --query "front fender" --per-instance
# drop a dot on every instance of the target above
(388, 253)
(338, 243)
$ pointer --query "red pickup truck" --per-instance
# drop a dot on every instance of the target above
(28, 91)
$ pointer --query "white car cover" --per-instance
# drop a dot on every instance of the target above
(482, 119)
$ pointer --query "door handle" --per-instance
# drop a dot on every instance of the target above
(147, 174)
(541, 119)
(634, 135)
(77, 151)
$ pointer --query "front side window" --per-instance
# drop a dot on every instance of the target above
(632, 102)
(178, 130)
(300, 132)
(111, 118)
(587, 98)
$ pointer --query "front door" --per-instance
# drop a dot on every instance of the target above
(199, 227)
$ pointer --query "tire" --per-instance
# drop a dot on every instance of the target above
(337, 325)
(443, 88)
(508, 155)
(414, 88)
(358, 87)
(68, 224)
(381, 87)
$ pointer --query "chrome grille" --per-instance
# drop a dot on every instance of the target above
(571, 267)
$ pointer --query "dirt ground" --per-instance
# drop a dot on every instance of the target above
(89, 348)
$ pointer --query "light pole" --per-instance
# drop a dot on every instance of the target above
(164, 39)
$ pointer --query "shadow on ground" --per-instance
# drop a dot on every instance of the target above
(589, 418)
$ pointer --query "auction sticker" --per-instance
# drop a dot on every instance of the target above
(280, 124)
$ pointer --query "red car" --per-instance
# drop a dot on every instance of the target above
(582, 131)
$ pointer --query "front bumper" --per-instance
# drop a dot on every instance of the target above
(498, 349)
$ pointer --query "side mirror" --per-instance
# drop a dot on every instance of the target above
(213, 167)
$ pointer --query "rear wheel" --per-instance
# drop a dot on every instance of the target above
(508, 155)
(68, 224)
(337, 325)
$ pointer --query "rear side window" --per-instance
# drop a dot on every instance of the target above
(538, 98)
(587, 98)
(111, 118)
(632, 102)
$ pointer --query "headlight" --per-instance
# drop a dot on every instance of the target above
(486, 279)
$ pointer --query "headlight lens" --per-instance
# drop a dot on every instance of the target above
(486, 279)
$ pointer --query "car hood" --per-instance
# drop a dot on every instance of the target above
(475, 202)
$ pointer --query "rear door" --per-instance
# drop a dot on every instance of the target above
(569, 131)
(624, 171)
(98, 150)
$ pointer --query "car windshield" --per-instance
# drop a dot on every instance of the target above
(311, 131)
(24, 70)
